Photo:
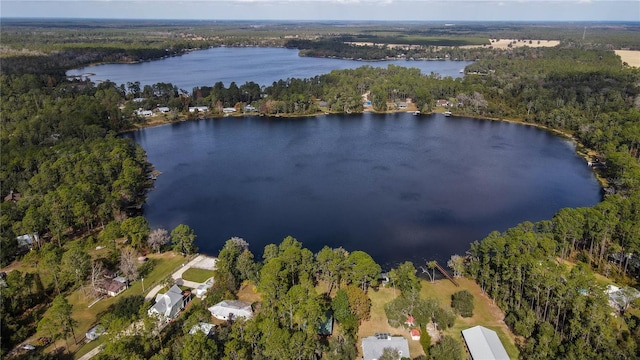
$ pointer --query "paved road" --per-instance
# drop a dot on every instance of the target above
(91, 353)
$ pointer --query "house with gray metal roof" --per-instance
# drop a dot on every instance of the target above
(169, 304)
(484, 344)
(373, 346)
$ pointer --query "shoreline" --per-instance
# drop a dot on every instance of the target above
(584, 152)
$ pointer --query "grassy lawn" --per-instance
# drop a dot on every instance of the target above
(485, 313)
(197, 275)
(248, 292)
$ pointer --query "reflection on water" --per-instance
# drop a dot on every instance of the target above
(399, 187)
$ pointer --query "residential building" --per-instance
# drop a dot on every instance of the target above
(373, 346)
(169, 304)
(231, 309)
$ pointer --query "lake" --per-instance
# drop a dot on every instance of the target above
(260, 65)
(397, 186)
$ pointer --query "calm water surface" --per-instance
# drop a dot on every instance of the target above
(397, 186)
(260, 65)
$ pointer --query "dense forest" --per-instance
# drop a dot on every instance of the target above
(67, 177)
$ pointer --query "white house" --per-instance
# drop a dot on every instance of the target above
(231, 309)
(193, 109)
(373, 346)
(163, 109)
(169, 304)
(144, 113)
(484, 344)
(229, 110)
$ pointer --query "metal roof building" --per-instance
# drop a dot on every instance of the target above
(484, 344)
(373, 346)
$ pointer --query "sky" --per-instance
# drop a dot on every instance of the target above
(409, 10)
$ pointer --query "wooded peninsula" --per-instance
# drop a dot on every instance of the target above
(71, 229)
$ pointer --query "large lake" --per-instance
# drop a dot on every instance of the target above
(260, 65)
(397, 186)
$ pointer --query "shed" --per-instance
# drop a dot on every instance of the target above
(484, 344)
(326, 327)
(415, 334)
(373, 346)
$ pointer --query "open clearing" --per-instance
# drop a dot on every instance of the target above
(485, 313)
(504, 43)
(631, 57)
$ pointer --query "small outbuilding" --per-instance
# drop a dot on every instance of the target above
(205, 328)
(484, 344)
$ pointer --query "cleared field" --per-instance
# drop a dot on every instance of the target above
(631, 57)
(504, 43)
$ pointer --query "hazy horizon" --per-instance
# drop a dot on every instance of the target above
(329, 10)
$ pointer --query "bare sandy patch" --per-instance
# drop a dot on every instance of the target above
(631, 57)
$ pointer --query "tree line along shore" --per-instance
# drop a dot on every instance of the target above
(68, 179)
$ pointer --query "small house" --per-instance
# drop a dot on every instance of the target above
(113, 287)
(193, 109)
(163, 109)
(144, 113)
(373, 346)
(250, 108)
(229, 110)
(231, 309)
(442, 102)
(415, 334)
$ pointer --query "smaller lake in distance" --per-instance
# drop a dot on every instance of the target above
(242, 64)
(397, 186)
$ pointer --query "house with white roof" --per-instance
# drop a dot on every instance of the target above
(373, 346)
(231, 309)
(484, 344)
(169, 304)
